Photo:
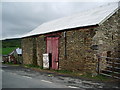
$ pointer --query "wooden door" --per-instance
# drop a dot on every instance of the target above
(52, 49)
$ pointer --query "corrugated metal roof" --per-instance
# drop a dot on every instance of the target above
(94, 16)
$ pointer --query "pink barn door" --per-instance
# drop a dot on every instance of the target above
(52, 48)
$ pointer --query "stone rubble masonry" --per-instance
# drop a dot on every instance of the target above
(108, 38)
(41, 48)
(78, 54)
(27, 47)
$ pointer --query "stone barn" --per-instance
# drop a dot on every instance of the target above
(74, 42)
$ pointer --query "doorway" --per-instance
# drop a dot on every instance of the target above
(52, 49)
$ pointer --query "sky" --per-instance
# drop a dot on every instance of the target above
(19, 18)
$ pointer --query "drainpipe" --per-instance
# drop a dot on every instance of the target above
(65, 53)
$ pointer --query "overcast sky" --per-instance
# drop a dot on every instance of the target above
(19, 18)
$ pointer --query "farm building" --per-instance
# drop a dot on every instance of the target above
(15, 56)
(74, 42)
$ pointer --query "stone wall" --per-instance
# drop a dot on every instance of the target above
(29, 51)
(79, 55)
(41, 49)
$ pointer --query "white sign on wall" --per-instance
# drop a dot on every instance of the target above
(46, 61)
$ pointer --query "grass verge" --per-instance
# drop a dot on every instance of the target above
(32, 66)
(10, 63)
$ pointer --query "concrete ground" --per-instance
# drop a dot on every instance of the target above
(20, 77)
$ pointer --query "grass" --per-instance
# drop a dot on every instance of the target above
(7, 50)
(63, 71)
(0, 50)
(32, 66)
(10, 63)
(97, 77)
